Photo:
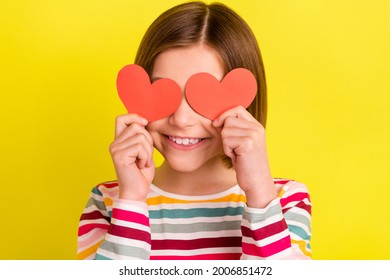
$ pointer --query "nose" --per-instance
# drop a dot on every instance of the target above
(184, 115)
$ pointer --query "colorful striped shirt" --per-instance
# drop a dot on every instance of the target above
(219, 226)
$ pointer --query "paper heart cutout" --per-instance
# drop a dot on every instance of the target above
(151, 101)
(210, 98)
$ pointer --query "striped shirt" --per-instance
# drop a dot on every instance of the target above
(210, 227)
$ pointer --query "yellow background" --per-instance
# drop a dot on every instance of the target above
(327, 65)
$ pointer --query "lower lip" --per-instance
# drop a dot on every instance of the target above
(185, 147)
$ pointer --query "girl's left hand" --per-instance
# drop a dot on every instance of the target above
(243, 139)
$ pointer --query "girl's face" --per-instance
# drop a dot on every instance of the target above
(186, 139)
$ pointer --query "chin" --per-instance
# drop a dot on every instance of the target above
(181, 166)
(191, 164)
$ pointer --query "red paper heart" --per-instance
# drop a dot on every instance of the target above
(210, 98)
(151, 101)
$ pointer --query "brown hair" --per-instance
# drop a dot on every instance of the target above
(217, 26)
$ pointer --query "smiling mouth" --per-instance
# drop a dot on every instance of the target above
(185, 141)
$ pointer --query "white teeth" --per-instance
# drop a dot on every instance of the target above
(185, 141)
(194, 141)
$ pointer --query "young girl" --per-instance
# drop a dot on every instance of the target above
(213, 197)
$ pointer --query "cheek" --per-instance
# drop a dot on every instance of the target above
(154, 126)
(153, 129)
(216, 136)
(215, 132)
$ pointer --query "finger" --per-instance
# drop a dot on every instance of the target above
(144, 158)
(239, 146)
(150, 162)
(123, 121)
(236, 112)
(133, 130)
(136, 153)
(237, 132)
(235, 124)
(239, 123)
(142, 155)
(130, 141)
(229, 151)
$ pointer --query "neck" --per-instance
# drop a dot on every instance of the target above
(209, 179)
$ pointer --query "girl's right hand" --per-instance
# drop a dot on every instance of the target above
(131, 152)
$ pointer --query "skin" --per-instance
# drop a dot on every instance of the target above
(196, 169)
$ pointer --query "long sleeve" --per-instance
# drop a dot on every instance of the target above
(128, 236)
(93, 226)
(282, 229)
(110, 228)
(217, 226)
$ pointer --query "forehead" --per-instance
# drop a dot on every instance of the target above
(180, 64)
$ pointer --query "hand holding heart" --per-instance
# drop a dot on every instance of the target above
(224, 102)
(243, 140)
(205, 94)
(131, 152)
